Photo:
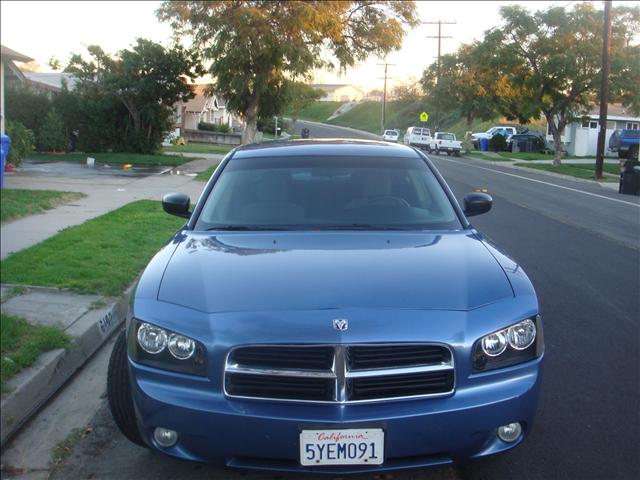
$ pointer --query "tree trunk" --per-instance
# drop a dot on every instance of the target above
(251, 118)
(557, 137)
(469, 121)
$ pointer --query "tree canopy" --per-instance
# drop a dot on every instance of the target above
(136, 89)
(256, 46)
(552, 61)
(465, 84)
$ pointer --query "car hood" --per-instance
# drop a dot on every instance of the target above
(332, 270)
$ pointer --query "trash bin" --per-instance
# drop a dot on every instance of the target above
(630, 178)
(5, 142)
(484, 144)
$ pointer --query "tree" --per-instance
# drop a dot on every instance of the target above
(257, 45)
(146, 81)
(299, 96)
(465, 84)
(52, 135)
(552, 61)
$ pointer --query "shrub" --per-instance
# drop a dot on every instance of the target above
(209, 127)
(497, 143)
(52, 136)
(22, 140)
(224, 128)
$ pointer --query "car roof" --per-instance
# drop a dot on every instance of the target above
(324, 147)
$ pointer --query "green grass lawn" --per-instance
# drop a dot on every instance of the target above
(15, 203)
(206, 175)
(318, 111)
(199, 148)
(101, 256)
(484, 156)
(584, 171)
(115, 158)
(21, 343)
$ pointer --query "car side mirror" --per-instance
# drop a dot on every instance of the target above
(176, 204)
(476, 203)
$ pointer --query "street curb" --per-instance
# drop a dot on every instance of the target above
(34, 386)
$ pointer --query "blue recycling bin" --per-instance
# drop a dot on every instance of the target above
(484, 144)
(5, 142)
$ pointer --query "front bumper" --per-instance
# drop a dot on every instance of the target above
(264, 435)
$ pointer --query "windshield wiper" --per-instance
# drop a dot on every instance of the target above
(355, 226)
(244, 228)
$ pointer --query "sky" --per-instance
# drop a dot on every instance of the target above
(57, 29)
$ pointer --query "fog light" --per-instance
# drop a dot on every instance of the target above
(509, 433)
(165, 437)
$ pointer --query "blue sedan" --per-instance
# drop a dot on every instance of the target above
(327, 307)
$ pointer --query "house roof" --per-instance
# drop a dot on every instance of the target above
(10, 54)
(52, 80)
(330, 87)
(197, 103)
(614, 111)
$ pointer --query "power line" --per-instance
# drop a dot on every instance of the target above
(384, 93)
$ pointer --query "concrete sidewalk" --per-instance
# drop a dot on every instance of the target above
(103, 195)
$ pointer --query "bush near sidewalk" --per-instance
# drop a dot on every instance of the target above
(21, 343)
(101, 256)
(15, 203)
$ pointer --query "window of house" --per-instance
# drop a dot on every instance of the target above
(587, 123)
(633, 126)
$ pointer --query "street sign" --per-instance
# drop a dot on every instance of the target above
(424, 116)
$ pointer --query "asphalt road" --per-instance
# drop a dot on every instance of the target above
(322, 130)
(579, 243)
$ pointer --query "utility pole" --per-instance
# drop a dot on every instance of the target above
(439, 37)
(604, 87)
(384, 94)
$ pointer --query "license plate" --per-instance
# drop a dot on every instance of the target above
(342, 447)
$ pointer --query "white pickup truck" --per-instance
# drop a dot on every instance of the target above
(445, 142)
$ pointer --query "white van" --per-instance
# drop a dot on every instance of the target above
(417, 137)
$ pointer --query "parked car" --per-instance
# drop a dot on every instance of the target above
(527, 142)
(391, 135)
(328, 307)
(417, 137)
(625, 142)
(445, 142)
(505, 131)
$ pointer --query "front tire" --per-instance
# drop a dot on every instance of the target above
(119, 392)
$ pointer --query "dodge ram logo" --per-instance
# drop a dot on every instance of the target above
(340, 324)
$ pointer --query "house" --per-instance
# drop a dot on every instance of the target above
(206, 108)
(581, 136)
(49, 82)
(339, 92)
(9, 71)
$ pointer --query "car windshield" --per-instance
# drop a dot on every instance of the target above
(492, 129)
(390, 132)
(327, 193)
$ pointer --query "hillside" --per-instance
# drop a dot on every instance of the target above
(400, 115)
(318, 111)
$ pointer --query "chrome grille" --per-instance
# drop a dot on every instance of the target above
(339, 373)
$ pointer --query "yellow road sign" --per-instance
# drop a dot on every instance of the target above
(424, 116)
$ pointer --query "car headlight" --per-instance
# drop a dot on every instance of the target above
(518, 343)
(160, 348)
